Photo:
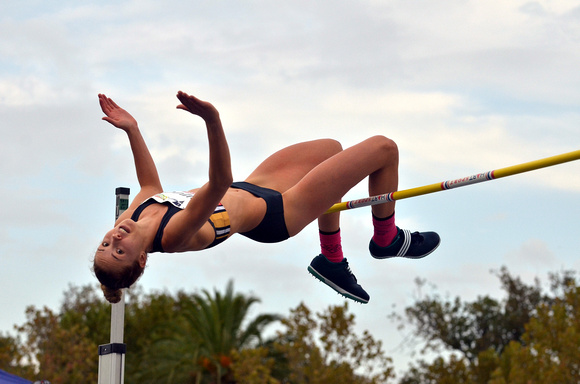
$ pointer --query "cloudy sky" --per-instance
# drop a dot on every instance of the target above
(461, 86)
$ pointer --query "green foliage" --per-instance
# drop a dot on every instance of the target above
(209, 337)
(11, 356)
(159, 351)
(181, 339)
(527, 338)
(218, 322)
(440, 371)
(253, 366)
(325, 349)
(197, 344)
(206, 337)
(550, 352)
(473, 327)
(64, 352)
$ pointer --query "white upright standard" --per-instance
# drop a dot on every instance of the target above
(112, 355)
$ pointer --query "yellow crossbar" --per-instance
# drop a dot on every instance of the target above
(450, 184)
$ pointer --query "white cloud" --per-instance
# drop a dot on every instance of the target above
(25, 91)
(534, 254)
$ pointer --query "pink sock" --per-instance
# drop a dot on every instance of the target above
(385, 230)
(331, 246)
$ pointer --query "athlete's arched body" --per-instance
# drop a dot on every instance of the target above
(290, 189)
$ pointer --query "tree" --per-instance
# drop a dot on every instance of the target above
(169, 339)
(65, 354)
(453, 371)
(550, 348)
(63, 345)
(11, 357)
(529, 337)
(473, 327)
(253, 366)
(199, 344)
(220, 325)
(325, 349)
(150, 320)
(196, 338)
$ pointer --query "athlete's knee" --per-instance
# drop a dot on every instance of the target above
(329, 147)
(333, 145)
(386, 148)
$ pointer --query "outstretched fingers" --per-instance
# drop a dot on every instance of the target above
(197, 107)
(116, 115)
(103, 102)
(107, 104)
(189, 103)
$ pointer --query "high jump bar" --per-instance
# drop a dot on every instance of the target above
(461, 182)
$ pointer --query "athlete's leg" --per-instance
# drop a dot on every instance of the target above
(377, 158)
(328, 182)
(285, 168)
(321, 187)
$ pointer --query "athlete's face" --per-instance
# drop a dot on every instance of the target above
(121, 246)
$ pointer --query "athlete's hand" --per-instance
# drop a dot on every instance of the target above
(116, 115)
(198, 107)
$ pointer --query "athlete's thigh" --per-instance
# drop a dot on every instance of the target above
(330, 180)
(285, 168)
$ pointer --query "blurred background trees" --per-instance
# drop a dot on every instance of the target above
(528, 336)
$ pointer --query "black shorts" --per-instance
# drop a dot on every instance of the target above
(272, 228)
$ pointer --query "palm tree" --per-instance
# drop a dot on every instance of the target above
(220, 325)
(199, 341)
(171, 359)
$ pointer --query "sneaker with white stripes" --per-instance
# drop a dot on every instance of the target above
(414, 245)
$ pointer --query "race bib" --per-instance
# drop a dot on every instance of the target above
(177, 199)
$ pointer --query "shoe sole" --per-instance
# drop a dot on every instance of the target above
(341, 291)
(408, 257)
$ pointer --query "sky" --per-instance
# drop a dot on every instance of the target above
(462, 86)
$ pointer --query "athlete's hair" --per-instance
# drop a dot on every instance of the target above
(113, 281)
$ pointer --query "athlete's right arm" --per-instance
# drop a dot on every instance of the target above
(206, 198)
(144, 165)
(220, 167)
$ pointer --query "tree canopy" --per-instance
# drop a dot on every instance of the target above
(527, 337)
(201, 337)
(531, 335)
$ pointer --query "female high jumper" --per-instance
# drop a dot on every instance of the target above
(289, 190)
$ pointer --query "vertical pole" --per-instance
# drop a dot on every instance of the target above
(112, 355)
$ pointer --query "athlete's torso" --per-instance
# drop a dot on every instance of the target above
(243, 210)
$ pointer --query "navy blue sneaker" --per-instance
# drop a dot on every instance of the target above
(339, 277)
(414, 245)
